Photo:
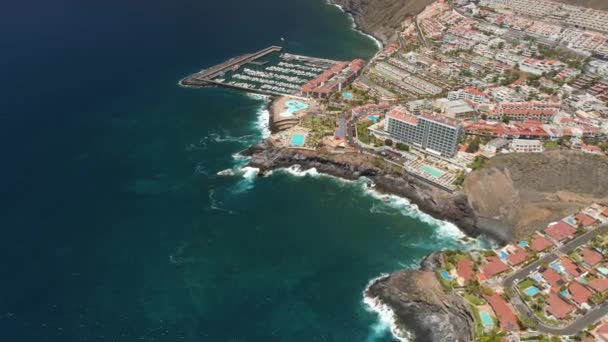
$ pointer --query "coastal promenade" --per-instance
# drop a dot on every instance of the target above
(522, 309)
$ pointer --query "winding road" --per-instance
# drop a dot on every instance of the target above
(580, 323)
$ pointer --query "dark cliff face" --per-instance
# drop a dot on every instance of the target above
(421, 305)
(382, 18)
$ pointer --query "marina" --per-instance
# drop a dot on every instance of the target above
(266, 72)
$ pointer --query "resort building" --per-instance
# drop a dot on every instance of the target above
(435, 134)
(527, 146)
(333, 79)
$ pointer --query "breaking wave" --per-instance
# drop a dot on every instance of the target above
(354, 26)
(387, 320)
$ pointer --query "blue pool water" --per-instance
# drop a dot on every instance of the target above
(445, 275)
(486, 319)
(373, 117)
(503, 255)
(565, 294)
(294, 106)
(431, 171)
(583, 281)
(347, 95)
(603, 270)
(297, 140)
(532, 291)
(558, 267)
(523, 244)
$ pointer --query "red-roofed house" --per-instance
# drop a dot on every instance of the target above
(579, 294)
(493, 267)
(605, 212)
(540, 243)
(584, 219)
(560, 231)
(504, 313)
(557, 308)
(571, 268)
(553, 278)
(519, 256)
(464, 269)
(602, 331)
(591, 257)
(599, 285)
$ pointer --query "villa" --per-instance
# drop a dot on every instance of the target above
(506, 316)
(493, 267)
(557, 308)
(560, 231)
(591, 257)
(580, 295)
(540, 243)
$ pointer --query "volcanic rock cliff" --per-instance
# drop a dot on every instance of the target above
(422, 306)
(382, 18)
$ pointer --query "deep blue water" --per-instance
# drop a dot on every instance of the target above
(116, 226)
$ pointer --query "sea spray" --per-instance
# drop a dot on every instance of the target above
(386, 316)
(354, 26)
(262, 122)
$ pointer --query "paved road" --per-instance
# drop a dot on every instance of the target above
(523, 309)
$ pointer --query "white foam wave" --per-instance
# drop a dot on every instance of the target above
(354, 26)
(262, 123)
(387, 320)
(220, 138)
(296, 170)
(215, 204)
(249, 175)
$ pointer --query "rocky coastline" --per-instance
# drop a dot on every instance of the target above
(440, 204)
(421, 308)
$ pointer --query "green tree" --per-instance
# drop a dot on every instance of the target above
(388, 142)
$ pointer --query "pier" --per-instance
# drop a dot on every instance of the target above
(206, 76)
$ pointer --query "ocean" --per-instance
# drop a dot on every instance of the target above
(127, 214)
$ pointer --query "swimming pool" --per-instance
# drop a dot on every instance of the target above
(347, 95)
(486, 319)
(602, 270)
(503, 255)
(373, 117)
(558, 267)
(293, 106)
(445, 275)
(532, 291)
(297, 140)
(565, 294)
(431, 171)
(523, 244)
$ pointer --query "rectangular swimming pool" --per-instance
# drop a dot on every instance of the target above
(297, 140)
(532, 291)
(431, 171)
(486, 319)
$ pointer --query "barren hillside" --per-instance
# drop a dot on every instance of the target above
(382, 18)
(598, 4)
(530, 190)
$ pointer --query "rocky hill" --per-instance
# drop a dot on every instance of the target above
(421, 305)
(598, 4)
(382, 18)
(527, 191)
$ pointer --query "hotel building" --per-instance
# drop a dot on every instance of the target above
(435, 134)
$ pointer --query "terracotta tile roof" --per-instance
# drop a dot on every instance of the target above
(464, 268)
(603, 329)
(540, 243)
(579, 293)
(493, 267)
(557, 307)
(591, 257)
(560, 231)
(605, 212)
(553, 278)
(571, 268)
(599, 285)
(584, 219)
(504, 313)
(518, 257)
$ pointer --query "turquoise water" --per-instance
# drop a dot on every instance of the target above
(445, 275)
(523, 244)
(297, 140)
(503, 255)
(294, 106)
(347, 95)
(486, 319)
(557, 267)
(565, 293)
(431, 171)
(602, 270)
(373, 117)
(532, 291)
